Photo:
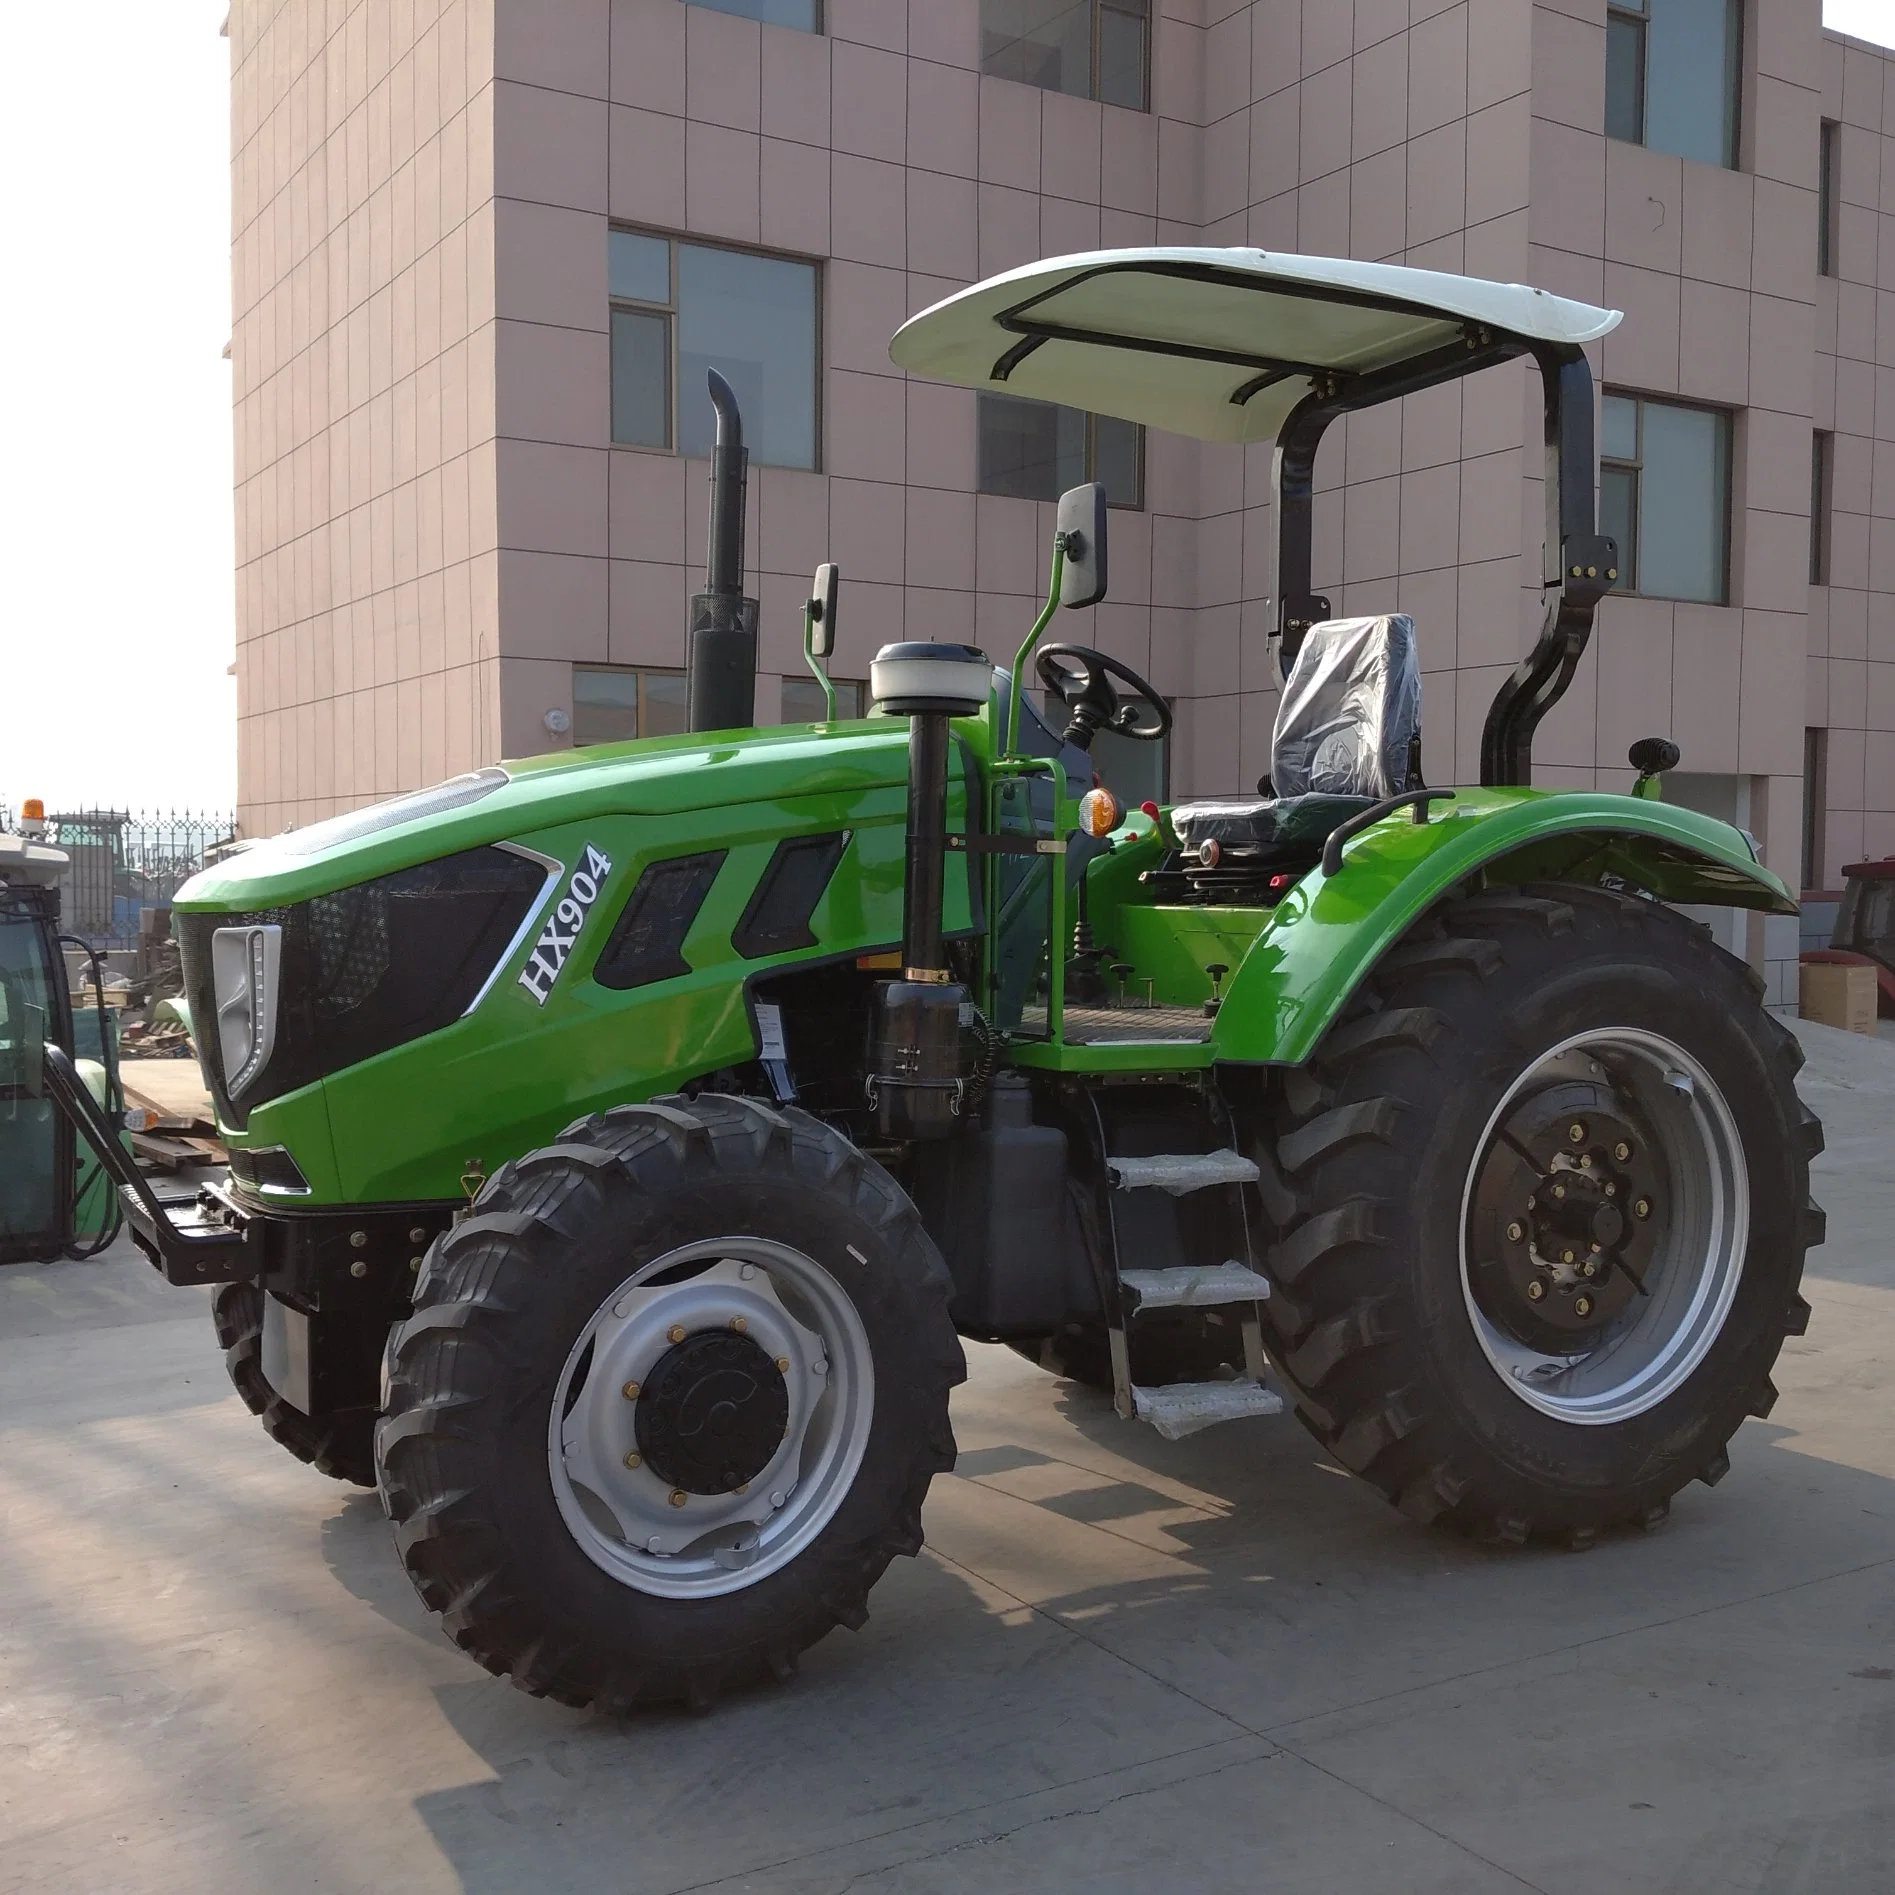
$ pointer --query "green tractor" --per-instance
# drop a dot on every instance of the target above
(621, 1142)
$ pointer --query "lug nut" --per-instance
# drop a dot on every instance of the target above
(1532, 1203)
(1611, 1189)
(675, 1333)
(1565, 1256)
(1641, 1207)
(414, 1264)
(1535, 1290)
(358, 1268)
(740, 1324)
(1582, 1305)
(679, 1496)
(782, 1365)
(634, 1458)
(1589, 1268)
(1621, 1151)
(1576, 1133)
(1559, 1190)
(1515, 1232)
(1585, 1161)
(631, 1391)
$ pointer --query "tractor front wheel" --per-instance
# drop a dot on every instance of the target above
(341, 1446)
(669, 1402)
(1542, 1196)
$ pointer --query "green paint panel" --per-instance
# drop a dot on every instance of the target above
(514, 1071)
(1330, 931)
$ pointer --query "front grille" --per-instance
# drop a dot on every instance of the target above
(366, 968)
(270, 1165)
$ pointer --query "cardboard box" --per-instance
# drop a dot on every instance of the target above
(1835, 995)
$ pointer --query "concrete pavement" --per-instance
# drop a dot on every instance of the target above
(1119, 1664)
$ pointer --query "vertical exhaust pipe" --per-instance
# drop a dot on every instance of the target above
(721, 669)
(917, 1078)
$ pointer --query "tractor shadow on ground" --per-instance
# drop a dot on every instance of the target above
(359, 1551)
(1091, 1598)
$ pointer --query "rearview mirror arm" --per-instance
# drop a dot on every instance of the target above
(1009, 740)
(816, 664)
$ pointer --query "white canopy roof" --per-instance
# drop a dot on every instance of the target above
(1216, 343)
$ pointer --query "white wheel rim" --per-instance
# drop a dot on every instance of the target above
(1660, 1340)
(623, 1515)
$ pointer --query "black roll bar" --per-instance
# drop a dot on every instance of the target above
(1587, 560)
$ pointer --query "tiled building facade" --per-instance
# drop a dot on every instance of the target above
(437, 532)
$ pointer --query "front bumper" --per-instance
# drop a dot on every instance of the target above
(216, 1234)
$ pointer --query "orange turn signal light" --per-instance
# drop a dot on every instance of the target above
(1099, 812)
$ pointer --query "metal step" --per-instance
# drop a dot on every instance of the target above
(1181, 1172)
(1183, 1408)
(1202, 1287)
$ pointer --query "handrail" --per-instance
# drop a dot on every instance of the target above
(1366, 818)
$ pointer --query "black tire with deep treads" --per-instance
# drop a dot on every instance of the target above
(341, 1446)
(503, 1297)
(1365, 1153)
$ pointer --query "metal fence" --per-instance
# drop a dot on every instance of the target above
(126, 861)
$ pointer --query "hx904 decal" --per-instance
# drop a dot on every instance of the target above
(562, 926)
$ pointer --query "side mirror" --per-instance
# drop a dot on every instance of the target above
(1081, 527)
(822, 610)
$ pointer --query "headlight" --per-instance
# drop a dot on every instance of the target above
(244, 967)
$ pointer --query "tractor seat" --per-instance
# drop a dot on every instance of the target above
(1348, 733)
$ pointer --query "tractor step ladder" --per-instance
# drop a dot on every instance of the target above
(1181, 1408)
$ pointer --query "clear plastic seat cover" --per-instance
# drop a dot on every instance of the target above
(1345, 732)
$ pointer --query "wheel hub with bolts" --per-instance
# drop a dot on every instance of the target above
(711, 1414)
(710, 1417)
(1606, 1220)
(1572, 1188)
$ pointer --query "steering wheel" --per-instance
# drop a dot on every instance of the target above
(1082, 678)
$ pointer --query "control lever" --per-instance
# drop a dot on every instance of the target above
(1217, 970)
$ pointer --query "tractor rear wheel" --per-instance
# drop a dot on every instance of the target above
(341, 1446)
(1542, 1196)
(669, 1402)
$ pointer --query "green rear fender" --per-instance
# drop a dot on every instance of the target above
(1330, 931)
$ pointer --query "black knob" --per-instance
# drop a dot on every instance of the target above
(1653, 756)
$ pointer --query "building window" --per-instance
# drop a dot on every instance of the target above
(681, 308)
(1815, 794)
(1828, 195)
(1822, 480)
(803, 701)
(804, 15)
(1664, 495)
(1671, 76)
(1032, 450)
(1093, 49)
(611, 703)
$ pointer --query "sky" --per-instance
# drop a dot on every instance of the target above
(117, 618)
(117, 610)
